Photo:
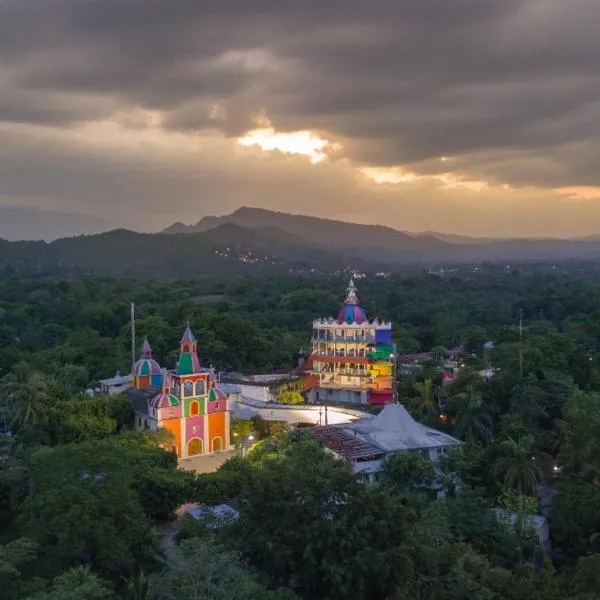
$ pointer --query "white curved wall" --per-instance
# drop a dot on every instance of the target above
(245, 408)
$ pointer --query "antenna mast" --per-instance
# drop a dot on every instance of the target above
(521, 342)
(133, 333)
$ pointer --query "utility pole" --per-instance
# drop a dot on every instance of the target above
(132, 333)
(521, 342)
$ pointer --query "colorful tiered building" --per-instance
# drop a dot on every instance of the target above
(352, 358)
(186, 401)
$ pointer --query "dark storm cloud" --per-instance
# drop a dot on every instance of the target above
(400, 82)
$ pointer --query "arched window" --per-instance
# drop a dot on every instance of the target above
(194, 408)
(217, 444)
(188, 389)
(200, 388)
(185, 349)
(176, 389)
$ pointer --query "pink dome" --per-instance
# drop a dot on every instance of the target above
(352, 311)
(146, 367)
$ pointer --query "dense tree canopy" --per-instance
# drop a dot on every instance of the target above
(82, 497)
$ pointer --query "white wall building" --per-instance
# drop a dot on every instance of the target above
(116, 385)
(367, 443)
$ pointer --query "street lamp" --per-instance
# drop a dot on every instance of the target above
(249, 439)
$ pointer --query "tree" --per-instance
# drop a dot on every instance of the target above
(425, 404)
(407, 471)
(579, 433)
(15, 558)
(291, 397)
(78, 583)
(210, 573)
(473, 420)
(26, 396)
(84, 508)
(318, 530)
(574, 517)
(517, 467)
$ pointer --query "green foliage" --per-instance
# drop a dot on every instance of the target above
(516, 466)
(84, 508)
(77, 487)
(408, 470)
(318, 530)
(291, 397)
(163, 490)
(574, 518)
(211, 573)
(15, 558)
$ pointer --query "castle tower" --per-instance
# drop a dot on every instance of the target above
(167, 411)
(146, 371)
(351, 356)
(203, 425)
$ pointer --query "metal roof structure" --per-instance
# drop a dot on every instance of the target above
(345, 444)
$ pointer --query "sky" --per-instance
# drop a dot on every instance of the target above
(476, 117)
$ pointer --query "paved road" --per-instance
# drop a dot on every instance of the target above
(207, 463)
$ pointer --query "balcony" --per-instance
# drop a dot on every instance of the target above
(340, 353)
(365, 339)
(346, 373)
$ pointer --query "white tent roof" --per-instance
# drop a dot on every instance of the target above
(394, 429)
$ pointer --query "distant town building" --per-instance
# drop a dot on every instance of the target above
(351, 357)
(185, 401)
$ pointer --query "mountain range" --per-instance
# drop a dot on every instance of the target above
(258, 241)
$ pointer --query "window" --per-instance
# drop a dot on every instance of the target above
(217, 406)
(200, 390)
(194, 408)
(140, 421)
(188, 389)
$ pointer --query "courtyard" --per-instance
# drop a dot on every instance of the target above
(205, 463)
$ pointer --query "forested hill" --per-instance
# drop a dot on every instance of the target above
(226, 250)
(280, 246)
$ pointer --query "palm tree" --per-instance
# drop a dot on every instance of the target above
(517, 467)
(25, 395)
(137, 587)
(425, 404)
(80, 575)
(473, 420)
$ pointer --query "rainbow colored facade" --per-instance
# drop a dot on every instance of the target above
(188, 402)
(352, 357)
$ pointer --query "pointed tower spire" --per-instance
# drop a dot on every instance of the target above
(166, 382)
(188, 336)
(351, 298)
(146, 349)
(352, 311)
(188, 357)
